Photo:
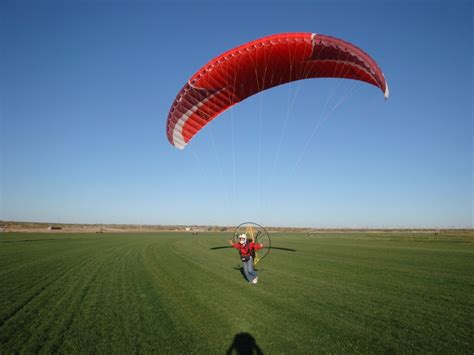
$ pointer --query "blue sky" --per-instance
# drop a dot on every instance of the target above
(86, 87)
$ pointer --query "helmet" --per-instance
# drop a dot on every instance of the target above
(242, 238)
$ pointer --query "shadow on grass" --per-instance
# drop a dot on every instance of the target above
(241, 269)
(258, 269)
(229, 247)
(26, 240)
(244, 344)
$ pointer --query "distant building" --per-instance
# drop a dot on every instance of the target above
(54, 228)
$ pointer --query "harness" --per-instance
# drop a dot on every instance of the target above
(246, 252)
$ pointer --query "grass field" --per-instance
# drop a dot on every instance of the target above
(175, 293)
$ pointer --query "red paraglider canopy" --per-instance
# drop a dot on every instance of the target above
(259, 65)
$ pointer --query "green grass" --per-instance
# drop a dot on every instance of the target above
(173, 293)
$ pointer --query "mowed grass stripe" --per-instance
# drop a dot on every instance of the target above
(52, 309)
(31, 280)
(191, 289)
(174, 293)
(395, 290)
